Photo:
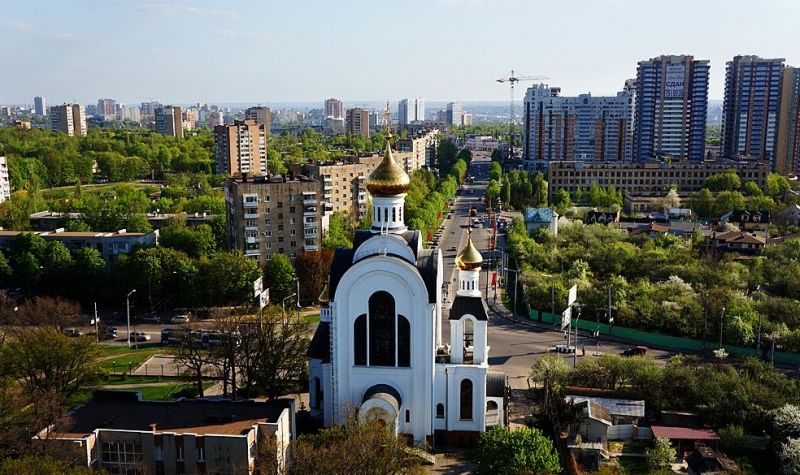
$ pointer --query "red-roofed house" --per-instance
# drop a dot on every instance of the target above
(685, 438)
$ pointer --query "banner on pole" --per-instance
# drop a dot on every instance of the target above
(573, 295)
(263, 298)
(257, 287)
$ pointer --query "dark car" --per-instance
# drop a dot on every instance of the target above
(635, 351)
(111, 333)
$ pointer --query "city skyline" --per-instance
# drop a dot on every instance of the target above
(122, 51)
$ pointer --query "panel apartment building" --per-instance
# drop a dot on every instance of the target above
(241, 148)
(357, 122)
(649, 178)
(169, 121)
(69, 119)
(268, 215)
(751, 107)
(410, 111)
(671, 107)
(595, 129)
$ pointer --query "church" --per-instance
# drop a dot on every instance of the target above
(378, 350)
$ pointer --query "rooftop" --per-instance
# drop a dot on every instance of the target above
(539, 215)
(617, 407)
(122, 410)
(684, 433)
(73, 234)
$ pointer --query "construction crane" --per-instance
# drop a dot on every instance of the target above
(511, 80)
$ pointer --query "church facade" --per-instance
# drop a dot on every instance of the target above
(378, 351)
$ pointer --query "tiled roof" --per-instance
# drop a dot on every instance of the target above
(684, 433)
(617, 407)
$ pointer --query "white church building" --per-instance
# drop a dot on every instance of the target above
(379, 351)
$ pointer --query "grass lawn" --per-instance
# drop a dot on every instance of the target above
(113, 379)
(149, 393)
(120, 358)
(313, 318)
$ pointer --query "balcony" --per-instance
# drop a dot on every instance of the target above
(327, 187)
(252, 240)
(309, 202)
(250, 215)
(250, 204)
(311, 248)
(310, 232)
(251, 228)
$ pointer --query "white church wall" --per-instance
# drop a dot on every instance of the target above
(455, 375)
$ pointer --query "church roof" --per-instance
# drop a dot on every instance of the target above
(320, 346)
(475, 306)
(495, 384)
(427, 261)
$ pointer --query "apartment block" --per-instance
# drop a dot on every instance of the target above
(751, 108)
(278, 214)
(420, 147)
(787, 155)
(117, 432)
(169, 121)
(454, 112)
(40, 106)
(333, 108)
(241, 148)
(595, 129)
(649, 178)
(5, 182)
(671, 107)
(69, 119)
(357, 122)
(410, 111)
(262, 116)
(342, 183)
(107, 108)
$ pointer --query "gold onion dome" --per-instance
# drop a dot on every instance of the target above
(388, 178)
(469, 258)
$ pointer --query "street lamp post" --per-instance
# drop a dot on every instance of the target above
(575, 353)
(283, 302)
(128, 306)
(721, 324)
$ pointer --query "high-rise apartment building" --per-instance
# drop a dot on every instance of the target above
(129, 113)
(5, 182)
(268, 215)
(107, 108)
(454, 113)
(68, 118)
(583, 128)
(241, 148)
(466, 118)
(261, 115)
(410, 111)
(357, 122)
(787, 155)
(216, 118)
(169, 121)
(149, 108)
(40, 106)
(333, 108)
(750, 110)
(671, 106)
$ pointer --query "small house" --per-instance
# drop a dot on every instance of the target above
(537, 218)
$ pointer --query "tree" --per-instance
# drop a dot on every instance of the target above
(340, 232)
(228, 278)
(524, 450)
(495, 171)
(789, 455)
(729, 200)
(561, 199)
(672, 200)
(195, 242)
(550, 371)
(312, 271)
(786, 421)
(702, 203)
(89, 272)
(281, 359)
(42, 465)
(661, 456)
(365, 447)
(279, 277)
(193, 359)
(728, 181)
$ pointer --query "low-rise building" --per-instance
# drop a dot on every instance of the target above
(52, 220)
(622, 411)
(751, 220)
(536, 218)
(651, 178)
(742, 242)
(481, 143)
(274, 214)
(117, 432)
(110, 245)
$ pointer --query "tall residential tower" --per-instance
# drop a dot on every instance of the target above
(671, 106)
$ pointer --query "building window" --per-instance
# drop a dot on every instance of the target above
(291, 209)
(408, 416)
(201, 454)
(317, 388)
(381, 329)
(465, 413)
(440, 411)
(360, 340)
(122, 456)
(394, 214)
(403, 342)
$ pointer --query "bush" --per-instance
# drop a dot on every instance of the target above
(525, 450)
(732, 439)
(661, 456)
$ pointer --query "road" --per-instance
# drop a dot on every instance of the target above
(514, 346)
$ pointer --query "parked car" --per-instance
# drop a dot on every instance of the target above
(111, 333)
(150, 319)
(179, 319)
(140, 336)
(73, 332)
(635, 351)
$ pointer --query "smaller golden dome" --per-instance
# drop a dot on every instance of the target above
(388, 178)
(324, 297)
(469, 258)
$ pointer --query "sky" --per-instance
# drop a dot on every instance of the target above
(184, 51)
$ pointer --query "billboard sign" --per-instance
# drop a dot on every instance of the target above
(573, 295)
(257, 287)
(675, 81)
(566, 318)
(263, 298)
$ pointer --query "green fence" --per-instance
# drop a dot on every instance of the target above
(657, 339)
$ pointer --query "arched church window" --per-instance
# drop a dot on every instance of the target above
(403, 342)
(465, 412)
(317, 388)
(386, 214)
(394, 214)
(381, 329)
(360, 340)
(440, 411)
(408, 416)
(491, 407)
(469, 332)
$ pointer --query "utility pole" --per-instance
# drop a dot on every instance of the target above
(705, 320)
(575, 353)
(721, 324)
(128, 306)
(96, 325)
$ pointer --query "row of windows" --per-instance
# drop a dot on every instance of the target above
(382, 337)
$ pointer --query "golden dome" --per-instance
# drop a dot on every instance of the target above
(388, 178)
(469, 258)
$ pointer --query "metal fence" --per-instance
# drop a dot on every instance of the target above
(659, 340)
